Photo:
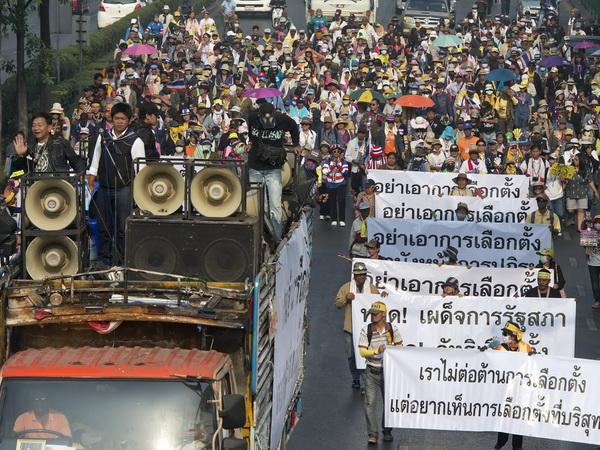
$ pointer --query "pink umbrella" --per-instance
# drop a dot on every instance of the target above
(584, 44)
(140, 49)
(262, 93)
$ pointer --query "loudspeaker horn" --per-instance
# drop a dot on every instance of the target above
(253, 203)
(48, 256)
(286, 174)
(51, 204)
(216, 192)
(159, 189)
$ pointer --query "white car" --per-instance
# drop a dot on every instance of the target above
(109, 11)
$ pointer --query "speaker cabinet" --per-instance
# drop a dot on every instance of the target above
(225, 250)
(53, 225)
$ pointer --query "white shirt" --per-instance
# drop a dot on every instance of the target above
(138, 150)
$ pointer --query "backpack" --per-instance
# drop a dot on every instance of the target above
(388, 329)
(532, 217)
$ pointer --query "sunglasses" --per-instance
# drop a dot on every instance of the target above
(541, 200)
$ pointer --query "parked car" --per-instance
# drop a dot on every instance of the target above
(428, 12)
(533, 6)
(109, 11)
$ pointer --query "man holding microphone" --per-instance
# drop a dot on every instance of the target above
(372, 344)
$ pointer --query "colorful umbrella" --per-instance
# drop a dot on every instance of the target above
(584, 44)
(448, 40)
(553, 61)
(501, 75)
(596, 53)
(414, 101)
(262, 93)
(366, 95)
(140, 49)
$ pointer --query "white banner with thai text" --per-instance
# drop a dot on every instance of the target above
(434, 183)
(468, 322)
(478, 244)
(421, 207)
(291, 288)
(542, 396)
(428, 279)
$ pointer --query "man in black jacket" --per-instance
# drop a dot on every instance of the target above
(148, 120)
(47, 152)
(268, 128)
(112, 166)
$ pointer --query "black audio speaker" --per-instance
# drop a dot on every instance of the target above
(225, 250)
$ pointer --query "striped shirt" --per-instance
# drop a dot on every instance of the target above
(391, 337)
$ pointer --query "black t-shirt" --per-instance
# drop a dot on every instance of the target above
(270, 136)
(533, 292)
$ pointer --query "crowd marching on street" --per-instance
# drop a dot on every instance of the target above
(484, 96)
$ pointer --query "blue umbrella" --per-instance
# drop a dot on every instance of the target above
(553, 61)
(501, 75)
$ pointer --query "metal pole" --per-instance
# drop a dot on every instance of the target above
(57, 41)
(80, 46)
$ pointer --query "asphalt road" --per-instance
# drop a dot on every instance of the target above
(333, 412)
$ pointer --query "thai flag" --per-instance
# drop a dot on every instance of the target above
(250, 71)
(166, 32)
(177, 85)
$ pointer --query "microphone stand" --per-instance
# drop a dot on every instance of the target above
(108, 140)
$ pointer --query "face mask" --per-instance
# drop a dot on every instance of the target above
(506, 339)
(413, 92)
(346, 102)
(450, 167)
(544, 258)
(597, 226)
(178, 149)
(569, 108)
(267, 120)
(461, 216)
(446, 260)
(384, 51)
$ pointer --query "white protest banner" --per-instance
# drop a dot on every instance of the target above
(478, 244)
(428, 279)
(291, 288)
(421, 207)
(434, 183)
(468, 322)
(549, 397)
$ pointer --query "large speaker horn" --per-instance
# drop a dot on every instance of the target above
(159, 189)
(48, 256)
(216, 192)
(51, 204)
(253, 206)
(286, 174)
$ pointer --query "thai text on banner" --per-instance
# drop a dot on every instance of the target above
(466, 390)
(434, 183)
(291, 288)
(468, 322)
(421, 207)
(478, 244)
(428, 279)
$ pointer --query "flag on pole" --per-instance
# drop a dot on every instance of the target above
(177, 85)
(250, 71)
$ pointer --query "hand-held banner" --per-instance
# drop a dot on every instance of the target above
(428, 279)
(421, 207)
(467, 390)
(291, 288)
(468, 322)
(478, 244)
(434, 183)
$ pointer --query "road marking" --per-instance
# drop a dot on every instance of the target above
(573, 262)
(591, 324)
(566, 236)
(581, 291)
